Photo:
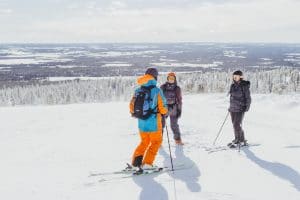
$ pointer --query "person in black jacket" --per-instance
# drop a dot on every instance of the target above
(172, 93)
(240, 101)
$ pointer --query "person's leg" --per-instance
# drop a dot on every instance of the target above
(175, 128)
(239, 133)
(233, 119)
(163, 122)
(155, 140)
(140, 150)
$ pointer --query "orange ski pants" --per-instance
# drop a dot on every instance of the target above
(149, 146)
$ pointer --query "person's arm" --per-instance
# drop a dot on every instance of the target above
(162, 107)
(247, 97)
(230, 89)
(179, 95)
(131, 104)
(179, 101)
(163, 88)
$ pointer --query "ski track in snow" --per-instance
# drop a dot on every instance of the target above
(48, 152)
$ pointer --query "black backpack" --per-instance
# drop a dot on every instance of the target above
(142, 103)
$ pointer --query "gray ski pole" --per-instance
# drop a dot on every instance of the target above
(169, 147)
(221, 128)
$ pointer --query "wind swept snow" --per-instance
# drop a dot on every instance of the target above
(48, 152)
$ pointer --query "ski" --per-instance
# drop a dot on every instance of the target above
(225, 148)
(148, 171)
(128, 170)
(120, 175)
(144, 173)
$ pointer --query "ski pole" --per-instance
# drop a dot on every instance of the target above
(169, 147)
(221, 128)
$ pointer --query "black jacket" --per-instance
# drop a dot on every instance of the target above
(172, 93)
(240, 98)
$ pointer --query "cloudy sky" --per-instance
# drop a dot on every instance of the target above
(149, 21)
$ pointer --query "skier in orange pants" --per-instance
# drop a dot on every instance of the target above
(148, 105)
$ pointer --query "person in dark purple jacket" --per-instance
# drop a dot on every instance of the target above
(172, 93)
(240, 101)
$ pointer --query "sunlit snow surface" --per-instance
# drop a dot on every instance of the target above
(47, 152)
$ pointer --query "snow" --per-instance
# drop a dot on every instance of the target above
(235, 54)
(117, 65)
(108, 64)
(65, 66)
(31, 61)
(167, 60)
(178, 64)
(266, 59)
(19, 52)
(292, 54)
(297, 60)
(124, 53)
(266, 63)
(84, 78)
(5, 68)
(292, 57)
(62, 78)
(48, 151)
(20, 61)
(22, 56)
(135, 46)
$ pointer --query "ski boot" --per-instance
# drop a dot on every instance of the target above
(233, 144)
(244, 143)
(179, 142)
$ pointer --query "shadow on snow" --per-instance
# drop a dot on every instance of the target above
(278, 169)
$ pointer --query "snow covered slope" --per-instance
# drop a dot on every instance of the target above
(47, 152)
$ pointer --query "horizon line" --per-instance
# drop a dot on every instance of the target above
(180, 42)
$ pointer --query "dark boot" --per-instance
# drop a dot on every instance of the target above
(179, 142)
(235, 141)
(137, 162)
(244, 143)
(232, 145)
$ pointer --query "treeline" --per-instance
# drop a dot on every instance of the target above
(280, 81)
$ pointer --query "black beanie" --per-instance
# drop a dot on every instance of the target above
(238, 72)
(152, 71)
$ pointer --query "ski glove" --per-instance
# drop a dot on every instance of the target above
(178, 113)
(165, 115)
(179, 109)
(247, 108)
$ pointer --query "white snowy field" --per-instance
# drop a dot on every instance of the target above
(47, 152)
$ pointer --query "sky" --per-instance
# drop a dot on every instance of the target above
(89, 21)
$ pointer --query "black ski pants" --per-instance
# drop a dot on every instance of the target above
(237, 121)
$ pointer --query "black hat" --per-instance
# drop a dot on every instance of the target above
(152, 71)
(238, 72)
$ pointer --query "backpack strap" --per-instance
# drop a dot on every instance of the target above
(149, 88)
